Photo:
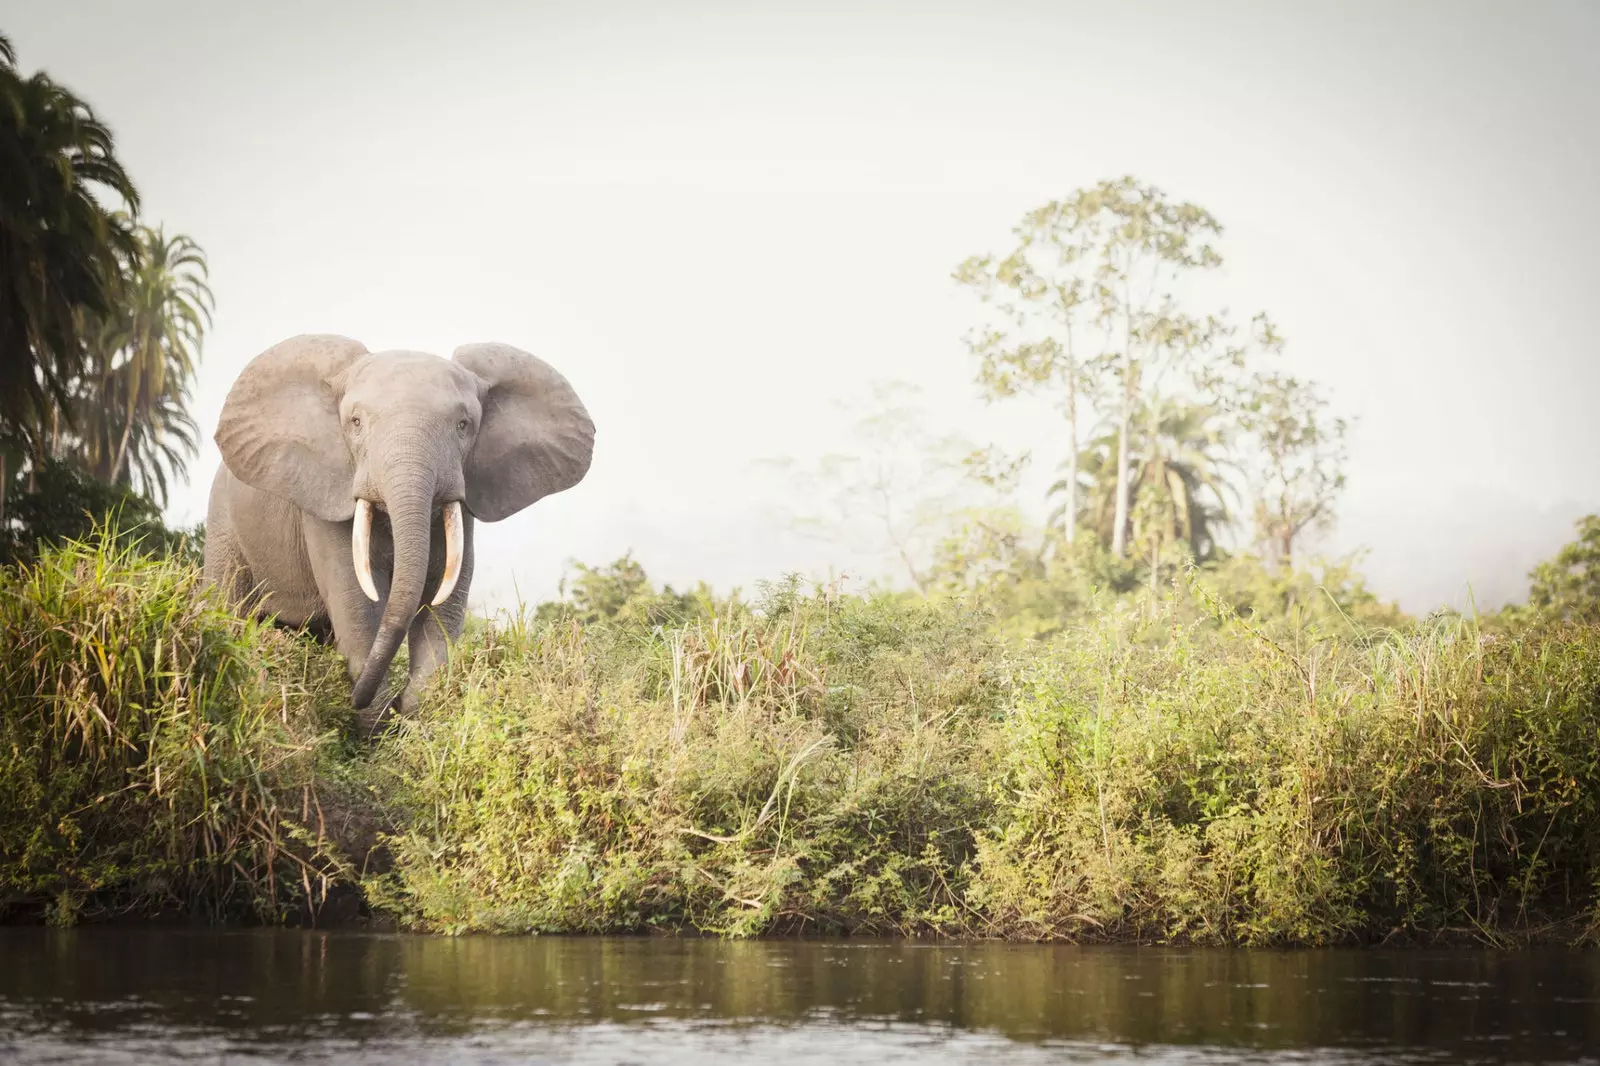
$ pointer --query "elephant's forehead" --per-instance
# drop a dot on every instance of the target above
(410, 372)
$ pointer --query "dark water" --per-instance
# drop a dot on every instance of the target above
(163, 996)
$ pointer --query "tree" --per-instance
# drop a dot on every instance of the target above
(1302, 450)
(1045, 313)
(1181, 486)
(132, 406)
(60, 249)
(1178, 481)
(1088, 295)
(622, 593)
(1568, 586)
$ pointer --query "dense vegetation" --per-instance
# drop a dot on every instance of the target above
(636, 759)
(1148, 716)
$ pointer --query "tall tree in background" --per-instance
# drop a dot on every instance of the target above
(1090, 292)
(1182, 482)
(1044, 305)
(1301, 452)
(61, 251)
(1180, 487)
(132, 408)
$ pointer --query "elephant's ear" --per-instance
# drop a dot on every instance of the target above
(280, 429)
(535, 438)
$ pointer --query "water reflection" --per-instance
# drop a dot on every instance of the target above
(148, 995)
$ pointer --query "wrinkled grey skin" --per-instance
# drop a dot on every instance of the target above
(316, 422)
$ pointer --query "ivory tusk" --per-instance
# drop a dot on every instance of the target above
(361, 548)
(452, 553)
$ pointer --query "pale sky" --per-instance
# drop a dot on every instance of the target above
(719, 220)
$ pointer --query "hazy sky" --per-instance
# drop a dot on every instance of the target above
(719, 220)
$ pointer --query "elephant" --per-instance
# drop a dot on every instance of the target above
(350, 482)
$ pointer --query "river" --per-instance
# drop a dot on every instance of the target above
(150, 995)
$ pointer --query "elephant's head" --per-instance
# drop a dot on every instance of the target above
(320, 421)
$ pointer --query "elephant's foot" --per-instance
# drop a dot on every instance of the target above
(385, 710)
(378, 716)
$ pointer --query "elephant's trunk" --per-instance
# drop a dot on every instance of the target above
(410, 505)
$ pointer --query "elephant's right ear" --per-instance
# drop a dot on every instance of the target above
(280, 431)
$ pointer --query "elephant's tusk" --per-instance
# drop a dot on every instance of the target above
(361, 548)
(452, 553)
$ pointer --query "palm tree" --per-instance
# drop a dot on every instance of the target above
(60, 250)
(1179, 489)
(132, 411)
(1184, 479)
(156, 439)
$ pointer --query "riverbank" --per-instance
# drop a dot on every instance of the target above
(814, 763)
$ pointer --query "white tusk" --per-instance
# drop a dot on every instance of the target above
(361, 548)
(452, 553)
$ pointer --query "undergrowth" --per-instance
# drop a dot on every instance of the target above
(810, 762)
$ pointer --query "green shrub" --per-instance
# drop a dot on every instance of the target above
(59, 504)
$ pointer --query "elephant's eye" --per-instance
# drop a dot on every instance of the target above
(463, 425)
(355, 421)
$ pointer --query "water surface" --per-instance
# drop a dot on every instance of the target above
(123, 996)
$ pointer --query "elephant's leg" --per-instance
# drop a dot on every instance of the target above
(351, 615)
(226, 571)
(429, 641)
(435, 629)
(224, 567)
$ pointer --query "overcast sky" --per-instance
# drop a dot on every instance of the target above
(719, 220)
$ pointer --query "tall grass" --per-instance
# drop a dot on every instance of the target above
(156, 752)
(809, 763)
(812, 764)
(1423, 781)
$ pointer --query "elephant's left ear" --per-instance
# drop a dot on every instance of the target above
(535, 439)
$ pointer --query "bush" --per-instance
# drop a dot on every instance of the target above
(622, 593)
(1566, 587)
(1040, 587)
(65, 505)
